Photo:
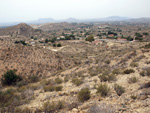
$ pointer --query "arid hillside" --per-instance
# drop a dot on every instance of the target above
(79, 77)
(31, 60)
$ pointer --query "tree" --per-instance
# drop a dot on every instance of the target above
(46, 40)
(90, 38)
(10, 78)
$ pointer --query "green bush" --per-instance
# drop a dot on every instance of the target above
(84, 95)
(10, 78)
(128, 71)
(119, 89)
(103, 90)
(77, 81)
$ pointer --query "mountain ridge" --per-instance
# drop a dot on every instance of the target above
(74, 20)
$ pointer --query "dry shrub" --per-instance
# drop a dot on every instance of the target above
(84, 94)
(21, 83)
(116, 71)
(145, 72)
(94, 71)
(33, 79)
(107, 77)
(107, 61)
(49, 88)
(51, 107)
(23, 110)
(128, 71)
(132, 80)
(102, 108)
(27, 94)
(58, 88)
(103, 90)
(66, 78)
(133, 97)
(134, 64)
(58, 80)
(119, 89)
(145, 85)
(77, 81)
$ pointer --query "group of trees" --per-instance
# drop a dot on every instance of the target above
(110, 32)
(21, 42)
(57, 45)
(52, 40)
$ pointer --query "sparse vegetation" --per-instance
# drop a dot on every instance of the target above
(81, 72)
(77, 81)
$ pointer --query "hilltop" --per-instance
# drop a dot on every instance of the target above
(21, 29)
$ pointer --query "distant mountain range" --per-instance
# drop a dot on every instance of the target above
(74, 20)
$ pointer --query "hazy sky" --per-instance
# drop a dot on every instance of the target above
(23, 10)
